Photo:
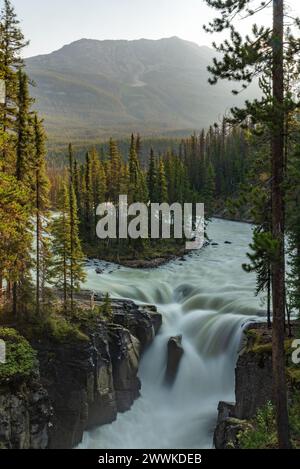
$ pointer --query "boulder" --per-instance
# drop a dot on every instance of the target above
(174, 355)
(226, 434)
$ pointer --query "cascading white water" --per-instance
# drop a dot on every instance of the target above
(208, 299)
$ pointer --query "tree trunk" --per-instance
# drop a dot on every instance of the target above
(278, 265)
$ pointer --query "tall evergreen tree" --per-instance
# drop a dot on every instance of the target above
(242, 60)
(12, 42)
(23, 124)
(151, 179)
(43, 255)
(88, 200)
(67, 270)
(113, 172)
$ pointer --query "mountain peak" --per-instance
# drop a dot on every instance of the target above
(108, 86)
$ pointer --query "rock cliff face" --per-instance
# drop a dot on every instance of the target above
(174, 356)
(25, 413)
(253, 389)
(81, 383)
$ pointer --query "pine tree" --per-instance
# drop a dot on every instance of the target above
(24, 129)
(15, 230)
(113, 172)
(78, 189)
(98, 183)
(89, 214)
(12, 43)
(23, 172)
(75, 254)
(138, 148)
(151, 179)
(67, 271)
(162, 187)
(209, 189)
(61, 246)
(138, 191)
(43, 255)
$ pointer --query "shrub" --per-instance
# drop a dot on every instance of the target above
(60, 329)
(106, 308)
(21, 359)
(262, 433)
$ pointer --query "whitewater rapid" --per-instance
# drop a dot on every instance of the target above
(208, 299)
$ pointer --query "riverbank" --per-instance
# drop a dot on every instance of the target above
(149, 258)
(156, 256)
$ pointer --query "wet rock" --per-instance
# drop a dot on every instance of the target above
(99, 271)
(142, 321)
(227, 242)
(254, 383)
(215, 244)
(174, 355)
(226, 434)
(125, 355)
(253, 389)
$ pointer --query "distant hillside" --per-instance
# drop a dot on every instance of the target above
(91, 89)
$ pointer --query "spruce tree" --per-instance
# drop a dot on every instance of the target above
(113, 172)
(43, 255)
(161, 187)
(98, 183)
(68, 268)
(23, 126)
(151, 179)
(12, 42)
(89, 213)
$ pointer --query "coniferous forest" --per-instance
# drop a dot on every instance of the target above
(76, 311)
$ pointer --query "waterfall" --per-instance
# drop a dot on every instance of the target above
(208, 299)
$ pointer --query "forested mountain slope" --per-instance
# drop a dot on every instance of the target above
(91, 88)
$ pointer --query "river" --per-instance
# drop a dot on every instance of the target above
(208, 299)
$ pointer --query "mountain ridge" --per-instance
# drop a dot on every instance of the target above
(91, 88)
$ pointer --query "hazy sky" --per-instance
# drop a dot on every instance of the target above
(53, 23)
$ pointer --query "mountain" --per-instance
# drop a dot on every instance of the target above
(91, 88)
